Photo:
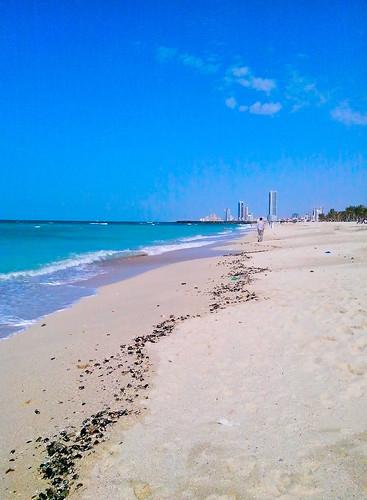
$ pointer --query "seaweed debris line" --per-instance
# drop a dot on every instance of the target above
(233, 292)
(65, 450)
(69, 446)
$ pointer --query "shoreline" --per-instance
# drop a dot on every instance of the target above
(54, 354)
(120, 268)
(217, 296)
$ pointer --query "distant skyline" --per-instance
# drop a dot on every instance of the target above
(176, 109)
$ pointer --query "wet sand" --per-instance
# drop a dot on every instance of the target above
(255, 386)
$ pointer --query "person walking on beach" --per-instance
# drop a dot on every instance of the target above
(260, 229)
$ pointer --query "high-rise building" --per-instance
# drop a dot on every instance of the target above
(316, 212)
(273, 206)
(227, 215)
(245, 213)
(240, 211)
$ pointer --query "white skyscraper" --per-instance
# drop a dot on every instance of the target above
(273, 206)
(245, 213)
(316, 212)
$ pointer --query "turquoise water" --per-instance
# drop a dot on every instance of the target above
(43, 264)
(29, 247)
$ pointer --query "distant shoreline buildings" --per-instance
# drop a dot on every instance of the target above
(244, 215)
(243, 212)
(227, 215)
(210, 218)
(316, 212)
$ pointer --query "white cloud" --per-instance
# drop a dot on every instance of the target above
(239, 71)
(293, 93)
(166, 54)
(302, 92)
(198, 63)
(231, 102)
(190, 60)
(263, 84)
(345, 114)
(244, 82)
(266, 108)
(257, 108)
(244, 77)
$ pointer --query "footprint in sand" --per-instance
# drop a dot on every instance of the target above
(298, 485)
(141, 490)
(357, 369)
(282, 484)
(329, 338)
(349, 369)
(359, 346)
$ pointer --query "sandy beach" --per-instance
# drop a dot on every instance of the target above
(234, 377)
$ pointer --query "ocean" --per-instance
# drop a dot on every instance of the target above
(47, 266)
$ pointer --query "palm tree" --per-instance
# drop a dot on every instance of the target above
(351, 213)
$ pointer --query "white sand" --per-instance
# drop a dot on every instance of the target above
(262, 400)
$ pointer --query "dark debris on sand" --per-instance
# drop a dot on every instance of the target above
(69, 446)
(235, 290)
(65, 450)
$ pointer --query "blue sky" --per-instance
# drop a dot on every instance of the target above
(174, 109)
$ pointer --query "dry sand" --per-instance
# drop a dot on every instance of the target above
(259, 400)
(265, 399)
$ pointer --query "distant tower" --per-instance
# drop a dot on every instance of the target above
(316, 212)
(273, 206)
(227, 214)
(240, 210)
(246, 213)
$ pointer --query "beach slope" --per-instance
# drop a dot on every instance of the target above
(235, 377)
(264, 399)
